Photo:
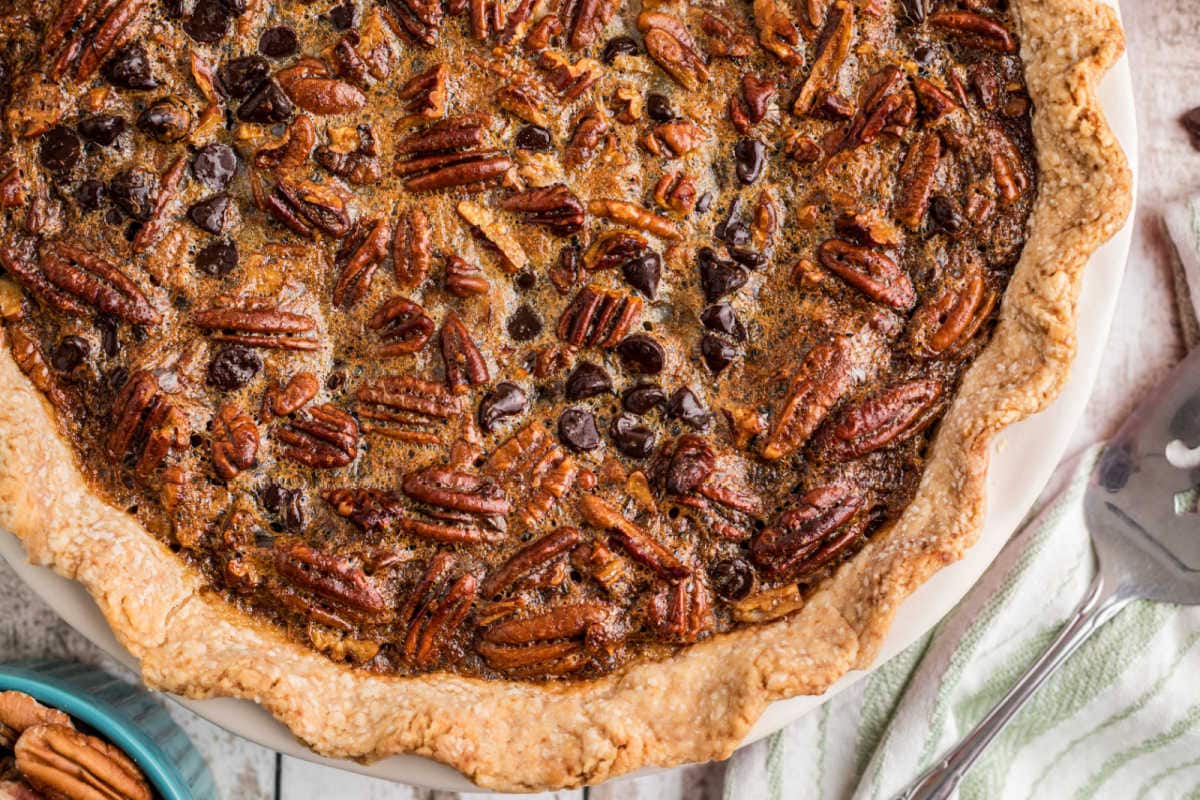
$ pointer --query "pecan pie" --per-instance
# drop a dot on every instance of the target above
(539, 386)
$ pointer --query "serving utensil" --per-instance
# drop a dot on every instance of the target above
(1141, 510)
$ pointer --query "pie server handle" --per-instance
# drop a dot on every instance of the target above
(1102, 601)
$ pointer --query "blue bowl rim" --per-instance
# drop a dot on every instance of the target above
(105, 718)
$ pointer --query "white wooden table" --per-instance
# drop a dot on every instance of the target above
(1146, 340)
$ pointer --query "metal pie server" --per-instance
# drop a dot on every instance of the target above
(1141, 511)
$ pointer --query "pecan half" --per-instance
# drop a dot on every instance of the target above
(403, 325)
(554, 207)
(464, 364)
(535, 471)
(19, 711)
(777, 33)
(291, 151)
(725, 39)
(449, 154)
(530, 644)
(598, 318)
(62, 762)
(258, 325)
(585, 20)
(78, 282)
(602, 564)
(464, 279)
(815, 388)
(497, 234)
(894, 415)
(833, 45)
(675, 138)
(359, 256)
(305, 207)
(638, 542)
(27, 352)
(332, 579)
(456, 506)
(947, 321)
(412, 247)
(425, 94)
(359, 166)
(915, 180)
(234, 441)
(872, 273)
(569, 80)
(886, 106)
(975, 28)
(372, 510)
(934, 102)
(677, 191)
(750, 107)
(634, 215)
(145, 424)
(310, 85)
(682, 611)
(534, 556)
(806, 537)
(671, 46)
(288, 400)
(406, 408)
(589, 128)
(415, 20)
(1008, 168)
(168, 189)
(613, 248)
(324, 437)
(434, 612)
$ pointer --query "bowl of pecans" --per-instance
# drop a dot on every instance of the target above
(74, 732)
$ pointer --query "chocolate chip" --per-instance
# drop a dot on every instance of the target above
(287, 504)
(723, 319)
(341, 16)
(267, 105)
(58, 149)
(235, 8)
(233, 367)
(70, 353)
(166, 120)
(619, 46)
(588, 380)
(135, 191)
(526, 279)
(658, 107)
(238, 78)
(704, 203)
(643, 273)
(534, 138)
(718, 276)
(642, 399)
(641, 354)
(683, 405)
(732, 578)
(278, 42)
(945, 215)
(218, 258)
(109, 343)
(103, 129)
(631, 437)
(505, 400)
(336, 380)
(717, 353)
(214, 165)
(129, 68)
(747, 258)
(749, 155)
(577, 429)
(208, 23)
(210, 214)
(524, 324)
(89, 194)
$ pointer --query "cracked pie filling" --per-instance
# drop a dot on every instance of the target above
(521, 339)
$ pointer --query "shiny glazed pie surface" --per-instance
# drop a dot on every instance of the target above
(514, 339)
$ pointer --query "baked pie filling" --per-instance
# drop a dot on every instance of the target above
(522, 340)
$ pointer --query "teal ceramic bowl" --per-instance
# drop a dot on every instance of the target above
(123, 714)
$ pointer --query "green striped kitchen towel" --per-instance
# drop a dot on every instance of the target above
(1121, 719)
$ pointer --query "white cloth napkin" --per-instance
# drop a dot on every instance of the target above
(1121, 719)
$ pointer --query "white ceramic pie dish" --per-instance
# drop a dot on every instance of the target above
(1024, 457)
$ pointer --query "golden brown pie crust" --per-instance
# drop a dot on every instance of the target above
(699, 704)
